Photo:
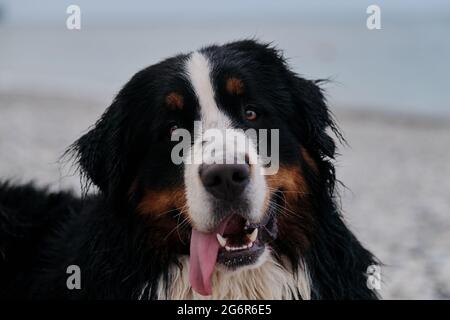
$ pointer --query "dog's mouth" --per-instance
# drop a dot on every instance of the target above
(242, 242)
(235, 243)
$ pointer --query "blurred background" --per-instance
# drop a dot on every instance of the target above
(389, 90)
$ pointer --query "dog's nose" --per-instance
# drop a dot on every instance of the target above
(225, 181)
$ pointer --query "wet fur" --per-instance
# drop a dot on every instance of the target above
(127, 253)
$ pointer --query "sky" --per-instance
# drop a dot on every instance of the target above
(402, 67)
(45, 11)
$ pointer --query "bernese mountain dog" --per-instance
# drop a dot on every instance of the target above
(156, 228)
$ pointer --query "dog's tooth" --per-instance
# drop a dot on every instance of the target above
(228, 248)
(252, 236)
(222, 240)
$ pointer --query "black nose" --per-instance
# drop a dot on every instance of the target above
(225, 181)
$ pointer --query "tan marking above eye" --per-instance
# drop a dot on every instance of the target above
(235, 86)
(175, 101)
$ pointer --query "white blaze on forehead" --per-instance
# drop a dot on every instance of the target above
(198, 70)
(198, 73)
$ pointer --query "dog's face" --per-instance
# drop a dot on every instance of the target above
(224, 202)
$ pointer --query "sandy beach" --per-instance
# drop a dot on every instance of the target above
(395, 168)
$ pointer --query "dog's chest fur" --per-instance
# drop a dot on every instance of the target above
(268, 281)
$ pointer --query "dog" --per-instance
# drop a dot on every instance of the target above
(156, 229)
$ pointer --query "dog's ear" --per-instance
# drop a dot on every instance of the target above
(338, 262)
(100, 152)
(314, 118)
(108, 155)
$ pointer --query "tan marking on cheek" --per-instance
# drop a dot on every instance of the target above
(175, 101)
(235, 86)
(295, 223)
(309, 160)
(162, 202)
(290, 181)
(169, 226)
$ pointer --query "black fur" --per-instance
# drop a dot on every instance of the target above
(119, 250)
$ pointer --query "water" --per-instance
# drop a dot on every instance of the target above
(403, 67)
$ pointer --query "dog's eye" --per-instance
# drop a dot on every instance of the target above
(172, 128)
(250, 115)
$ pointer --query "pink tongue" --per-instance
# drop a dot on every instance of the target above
(203, 256)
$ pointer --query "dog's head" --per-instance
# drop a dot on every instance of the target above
(217, 194)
